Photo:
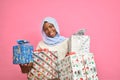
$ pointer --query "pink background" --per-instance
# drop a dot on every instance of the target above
(20, 19)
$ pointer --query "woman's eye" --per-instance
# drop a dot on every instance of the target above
(50, 26)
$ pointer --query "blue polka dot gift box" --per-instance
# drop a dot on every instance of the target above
(22, 52)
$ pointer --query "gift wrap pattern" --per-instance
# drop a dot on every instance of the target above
(44, 66)
(78, 67)
(79, 44)
(22, 54)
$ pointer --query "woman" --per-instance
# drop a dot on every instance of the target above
(52, 40)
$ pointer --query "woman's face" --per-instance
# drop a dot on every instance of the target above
(49, 30)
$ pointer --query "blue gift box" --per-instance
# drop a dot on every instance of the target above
(22, 53)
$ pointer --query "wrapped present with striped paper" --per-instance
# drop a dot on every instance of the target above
(44, 65)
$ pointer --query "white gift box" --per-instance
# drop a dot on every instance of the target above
(79, 44)
(78, 67)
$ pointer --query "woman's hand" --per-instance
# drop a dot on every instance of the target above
(25, 68)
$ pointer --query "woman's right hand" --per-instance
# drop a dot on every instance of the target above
(25, 68)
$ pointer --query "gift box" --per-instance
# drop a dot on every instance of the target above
(78, 67)
(22, 52)
(45, 63)
(79, 44)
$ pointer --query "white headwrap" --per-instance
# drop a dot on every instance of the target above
(48, 40)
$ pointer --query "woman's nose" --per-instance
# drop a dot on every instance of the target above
(49, 29)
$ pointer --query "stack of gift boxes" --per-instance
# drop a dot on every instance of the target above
(44, 66)
(81, 65)
(44, 61)
(78, 66)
